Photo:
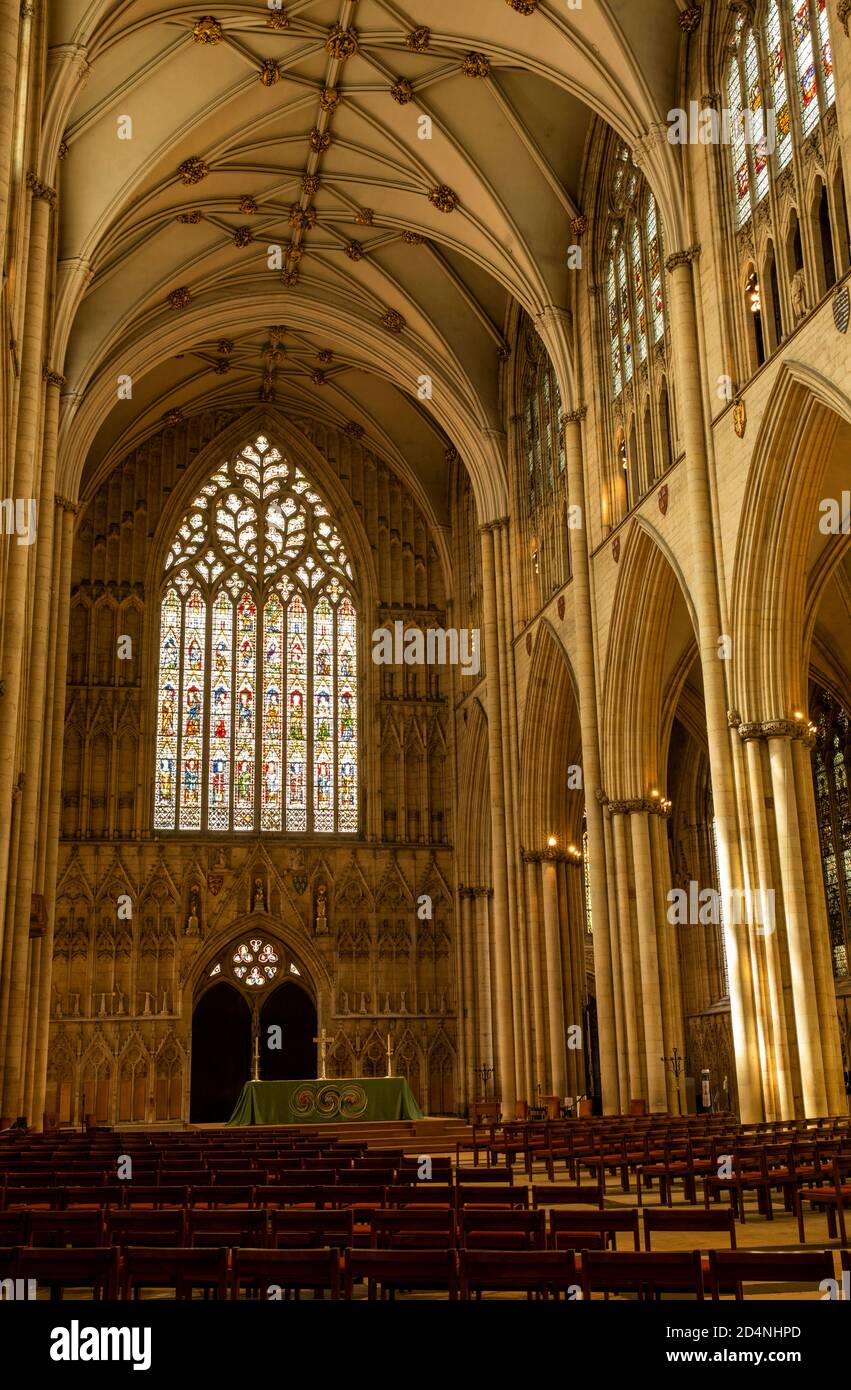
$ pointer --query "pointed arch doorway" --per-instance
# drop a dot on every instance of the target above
(221, 1053)
(291, 1009)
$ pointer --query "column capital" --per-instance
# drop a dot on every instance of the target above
(679, 258)
(531, 856)
(66, 504)
(39, 189)
(776, 728)
(495, 525)
(482, 892)
(575, 416)
(640, 805)
(52, 378)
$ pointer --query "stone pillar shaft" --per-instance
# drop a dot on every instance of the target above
(554, 976)
(654, 1039)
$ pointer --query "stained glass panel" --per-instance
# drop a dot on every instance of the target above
(805, 65)
(246, 668)
(614, 330)
(297, 715)
(166, 782)
(273, 670)
(777, 75)
(738, 147)
(219, 779)
(347, 714)
(624, 315)
(638, 291)
(323, 715)
(192, 712)
(826, 54)
(654, 256)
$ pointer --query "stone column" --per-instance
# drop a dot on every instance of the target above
(654, 1038)
(504, 1060)
(533, 925)
(627, 961)
(554, 972)
(668, 949)
(614, 948)
(705, 595)
(41, 1036)
(34, 741)
(11, 13)
(484, 1008)
(467, 1002)
(774, 968)
(837, 1100)
(586, 680)
(25, 484)
(516, 923)
(804, 998)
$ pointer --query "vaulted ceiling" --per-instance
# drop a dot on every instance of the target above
(325, 204)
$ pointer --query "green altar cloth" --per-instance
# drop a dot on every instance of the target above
(325, 1102)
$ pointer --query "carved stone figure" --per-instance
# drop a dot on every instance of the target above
(259, 897)
(321, 909)
(192, 925)
(798, 291)
(387, 1004)
(146, 1009)
(119, 995)
(364, 1003)
(403, 1002)
(344, 1001)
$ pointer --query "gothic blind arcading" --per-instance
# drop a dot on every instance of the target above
(257, 702)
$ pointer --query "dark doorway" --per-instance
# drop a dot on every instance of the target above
(221, 1053)
(292, 1010)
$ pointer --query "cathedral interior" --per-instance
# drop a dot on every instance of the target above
(426, 557)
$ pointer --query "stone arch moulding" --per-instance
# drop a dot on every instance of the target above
(649, 582)
(771, 612)
(315, 979)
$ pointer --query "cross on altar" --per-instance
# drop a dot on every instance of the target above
(322, 1050)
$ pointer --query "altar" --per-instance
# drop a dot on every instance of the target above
(325, 1102)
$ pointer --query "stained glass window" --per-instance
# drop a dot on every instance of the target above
(654, 258)
(614, 331)
(638, 291)
(757, 119)
(255, 962)
(625, 317)
(805, 65)
(826, 54)
(258, 577)
(831, 756)
(166, 781)
(738, 146)
(776, 68)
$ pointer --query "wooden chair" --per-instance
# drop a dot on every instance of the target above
(156, 1197)
(392, 1270)
(94, 1197)
(33, 1198)
(183, 1270)
(256, 1272)
(219, 1195)
(296, 1229)
(567, 1195)
(749, 1173)
(545, 1274)
(217, 1227)
(421, 1228)
(490, 1195)
(59, 1229)
(568, 1229)
(730, 1269)
(485, 1175)
(834, 1198)
(158, 1228)
(14, 1226)
(354, 1195)
(484, 1229)
(283, 1195)
(646, 1274)
(408, 1170)
(95, 1269)
(420, 1194)
(688, 1219)
(356, 1177)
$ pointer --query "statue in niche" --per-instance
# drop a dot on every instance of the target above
(403, 1002)
(57, 1008)
(344, 1001)
(75, 1006)
(164, 1009)
(119, 994)
(321, 909)
(146, 1010)
(441, 1003)
(259, 904)
(192, 924)
(387, 1008)
(364, 1003)
(798, 291)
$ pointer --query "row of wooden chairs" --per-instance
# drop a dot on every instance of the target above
(227, 1272)
(270, 1195)
(495, 1227)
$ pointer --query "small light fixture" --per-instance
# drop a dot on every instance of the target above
(753, 292)
(552, 842)
(655, 794)
(799, 715)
